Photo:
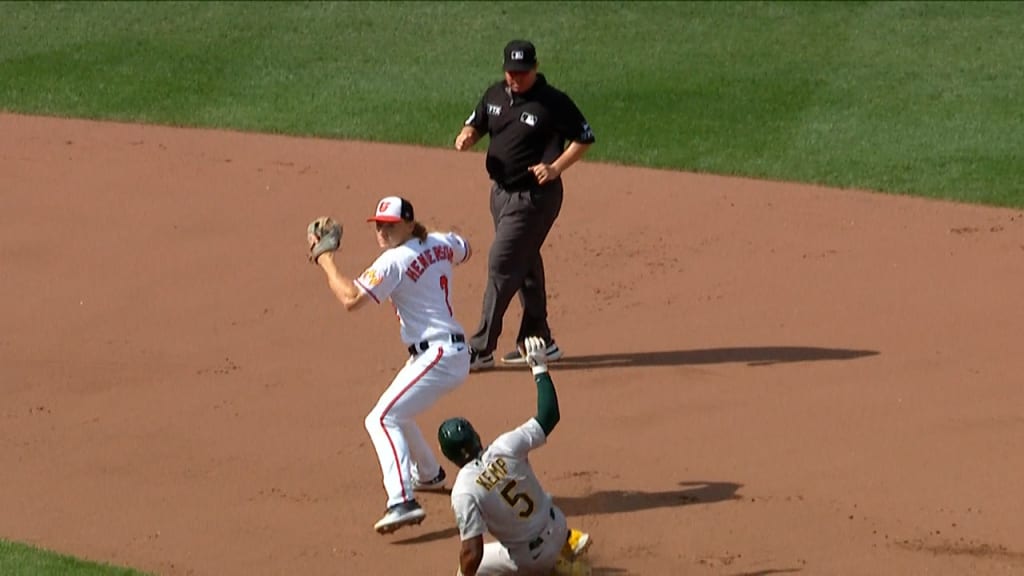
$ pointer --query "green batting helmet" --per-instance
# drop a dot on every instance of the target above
(459, 441)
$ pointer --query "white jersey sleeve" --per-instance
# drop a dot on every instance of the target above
(381, 278)
(520, 441)
(468, 516)
(463, 251)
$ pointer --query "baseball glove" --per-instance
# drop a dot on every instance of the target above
(323, 235)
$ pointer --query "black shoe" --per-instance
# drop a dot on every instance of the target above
(436, 484)
(404, 514)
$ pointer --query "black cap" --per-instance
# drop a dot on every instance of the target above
(520, 56)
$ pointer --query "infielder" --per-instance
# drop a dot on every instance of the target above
(415, 272)
(496, 491)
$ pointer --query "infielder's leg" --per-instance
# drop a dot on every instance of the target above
(424, 464)
(415, 388)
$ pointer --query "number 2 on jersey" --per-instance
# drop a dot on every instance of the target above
(447, 301)
(514, 499)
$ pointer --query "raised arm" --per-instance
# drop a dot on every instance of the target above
(547, 399)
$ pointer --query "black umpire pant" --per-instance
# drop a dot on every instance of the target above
(522, 220)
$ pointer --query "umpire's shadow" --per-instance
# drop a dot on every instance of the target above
(619, 501)
(750, 355)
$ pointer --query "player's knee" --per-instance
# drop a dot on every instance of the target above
(378, 418)
(372, 421)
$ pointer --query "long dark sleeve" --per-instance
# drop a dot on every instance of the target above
(547, 403)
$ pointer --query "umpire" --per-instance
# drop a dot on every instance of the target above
(529, 123)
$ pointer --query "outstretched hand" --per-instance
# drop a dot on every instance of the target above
(535, 350)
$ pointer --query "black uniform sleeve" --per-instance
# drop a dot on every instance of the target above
(570, 123)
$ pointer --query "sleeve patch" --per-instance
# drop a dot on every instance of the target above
(370, 278)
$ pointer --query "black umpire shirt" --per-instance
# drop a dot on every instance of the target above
(526, 129)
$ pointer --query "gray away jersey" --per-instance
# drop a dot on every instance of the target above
(499, 493)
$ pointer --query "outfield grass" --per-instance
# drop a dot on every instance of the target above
(924, 98)
(21, 560)
(909, 97)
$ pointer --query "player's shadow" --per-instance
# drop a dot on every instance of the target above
(768, 572)
(749, 355)
(618, 501)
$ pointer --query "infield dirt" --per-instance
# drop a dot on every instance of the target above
(760, 378)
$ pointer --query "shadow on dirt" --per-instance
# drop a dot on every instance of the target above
(751, 356)
(616, 501)
(607, 571)
(768, 572)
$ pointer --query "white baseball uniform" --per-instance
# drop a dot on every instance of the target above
(499, 493)
(416, 276)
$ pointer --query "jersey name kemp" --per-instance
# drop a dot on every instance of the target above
(427, 257)
(494, 473)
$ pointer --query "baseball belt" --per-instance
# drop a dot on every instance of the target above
(415, 349)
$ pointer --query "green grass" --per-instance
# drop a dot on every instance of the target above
(22, 560)
(922, 98)
(909, 97)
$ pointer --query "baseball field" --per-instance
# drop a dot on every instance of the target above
(787, 280)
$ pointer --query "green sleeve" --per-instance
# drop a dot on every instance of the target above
(547, 403)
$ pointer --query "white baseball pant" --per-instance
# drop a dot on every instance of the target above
(401, 448)
(537, 558)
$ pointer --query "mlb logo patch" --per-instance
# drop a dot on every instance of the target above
(528, 119)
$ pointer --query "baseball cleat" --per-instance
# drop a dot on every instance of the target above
(437, 484)
(577, 544)
(516, 357)
(404, 514)
(478, 361)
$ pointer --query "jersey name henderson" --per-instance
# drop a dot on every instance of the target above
(416, 276)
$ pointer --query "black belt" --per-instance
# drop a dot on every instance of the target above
(520, 183)
(536, 542)
(415, 349)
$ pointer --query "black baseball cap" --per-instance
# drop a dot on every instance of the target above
(520, 56)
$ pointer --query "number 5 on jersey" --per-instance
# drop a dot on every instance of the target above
(513, 498)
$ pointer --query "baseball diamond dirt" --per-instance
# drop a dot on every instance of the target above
(760, 378)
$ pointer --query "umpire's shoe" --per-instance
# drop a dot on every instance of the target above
(404, 514)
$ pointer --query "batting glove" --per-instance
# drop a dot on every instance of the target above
(536, 354)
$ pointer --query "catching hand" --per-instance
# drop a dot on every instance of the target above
(535, 350)
(323, 235)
